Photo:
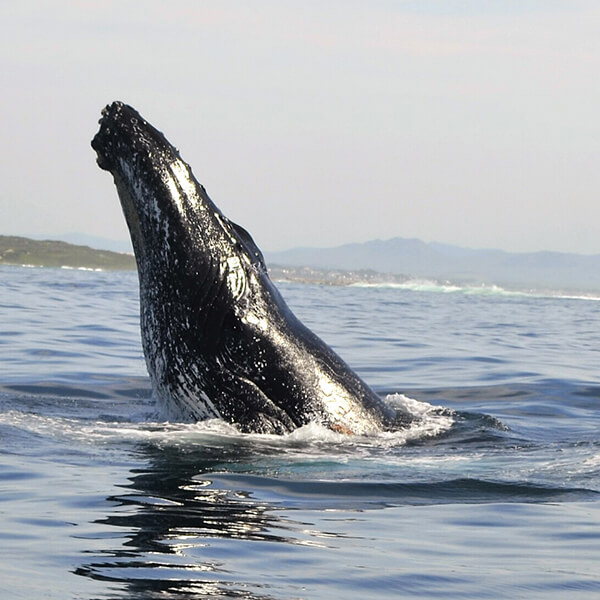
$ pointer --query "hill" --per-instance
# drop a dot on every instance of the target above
(93, 241)
(415, 258)
(50, 253)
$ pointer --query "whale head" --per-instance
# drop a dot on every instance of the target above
(218, 338)
(171, 219)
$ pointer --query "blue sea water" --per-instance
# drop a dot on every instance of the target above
(493, 492)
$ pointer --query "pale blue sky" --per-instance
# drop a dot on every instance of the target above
(317, 123)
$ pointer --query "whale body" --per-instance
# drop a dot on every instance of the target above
(218, 338)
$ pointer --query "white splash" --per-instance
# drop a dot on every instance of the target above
(427, 420)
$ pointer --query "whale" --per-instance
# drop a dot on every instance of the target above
(218, 338)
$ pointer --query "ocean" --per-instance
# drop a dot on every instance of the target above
(492, 492)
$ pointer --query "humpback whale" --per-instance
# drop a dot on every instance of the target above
(218, 338)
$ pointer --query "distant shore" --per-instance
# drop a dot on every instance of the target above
(26, 252)
(21, 251)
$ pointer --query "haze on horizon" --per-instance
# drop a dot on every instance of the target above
(467, 122)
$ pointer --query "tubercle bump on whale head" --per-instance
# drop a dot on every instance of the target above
(123, 133)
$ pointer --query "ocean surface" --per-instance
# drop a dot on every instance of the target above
(493, 492)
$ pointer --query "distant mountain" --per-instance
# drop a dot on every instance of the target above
(394, 260)
(415, 258)
(51, 253)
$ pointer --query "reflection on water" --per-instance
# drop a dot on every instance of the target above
(178, 531)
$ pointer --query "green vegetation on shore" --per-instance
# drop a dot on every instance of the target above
(50, 253)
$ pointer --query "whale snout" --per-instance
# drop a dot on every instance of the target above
(123, 133)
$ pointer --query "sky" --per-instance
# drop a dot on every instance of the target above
(472, 122)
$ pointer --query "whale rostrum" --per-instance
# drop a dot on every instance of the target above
(219, 340)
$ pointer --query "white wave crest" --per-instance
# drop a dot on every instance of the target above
(426, 420)
(483, 289)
